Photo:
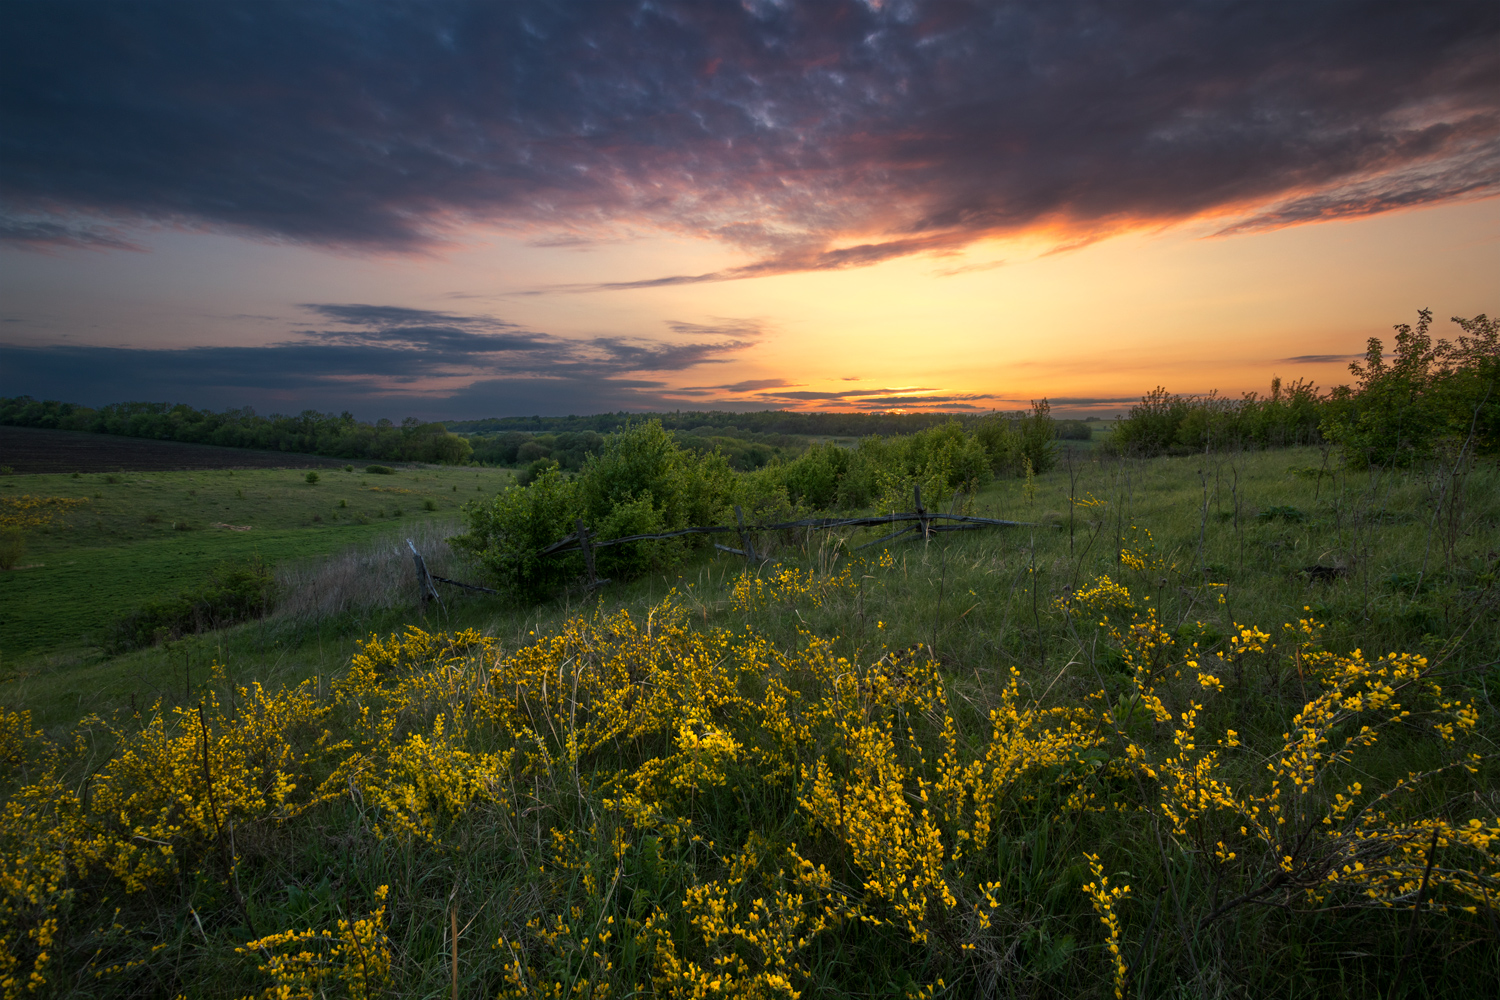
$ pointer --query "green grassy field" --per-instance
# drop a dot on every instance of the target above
(148, 535)
(1387, 561)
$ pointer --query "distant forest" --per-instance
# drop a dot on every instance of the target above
(309, 432)
(718, 422)
(747, 440)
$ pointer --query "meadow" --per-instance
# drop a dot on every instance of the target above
(1153, 745)
(142, 534)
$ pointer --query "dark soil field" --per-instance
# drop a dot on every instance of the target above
(31, 449)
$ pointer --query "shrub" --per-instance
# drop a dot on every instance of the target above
(429, 504)
(641, 482)
(813, 477)
(1427, 392)
(529, 475)
(1074, 430)
(1165, 422)
(232, 593)
(1010, 441)
(312, 477)
(380, 470)
(12, 547)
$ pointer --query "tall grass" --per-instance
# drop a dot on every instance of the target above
(624, 794)
(376, 575)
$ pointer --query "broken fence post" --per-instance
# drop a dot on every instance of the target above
(588, 552)
(921, 513)
(424, 578)
(739, 519)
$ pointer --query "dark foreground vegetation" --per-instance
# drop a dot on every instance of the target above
(1219, 725)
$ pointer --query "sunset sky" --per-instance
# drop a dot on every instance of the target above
(466, 210)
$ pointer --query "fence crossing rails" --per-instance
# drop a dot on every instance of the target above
(919, 520)
(582, 539)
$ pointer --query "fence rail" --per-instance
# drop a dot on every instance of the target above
(920, 520)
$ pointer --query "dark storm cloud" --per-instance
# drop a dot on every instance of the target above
(819, 136)
(450, 360)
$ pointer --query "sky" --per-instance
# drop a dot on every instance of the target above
(465, 210)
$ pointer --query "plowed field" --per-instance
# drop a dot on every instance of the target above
(30, 449)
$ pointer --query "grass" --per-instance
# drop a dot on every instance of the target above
(148, 535)
(1410, 564)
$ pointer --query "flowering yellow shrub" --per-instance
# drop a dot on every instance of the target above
(787, 585)
(867, 798)
(1307, 828)
(305, 964)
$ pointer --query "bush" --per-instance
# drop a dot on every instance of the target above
(813, 478)
(380, 470)
(233, 593)
(1402, 409)
(641, 482)
(530, 474)
(12, 547)
(312, 477)
(1074, 430)
(1010, 442)
(1164, 422)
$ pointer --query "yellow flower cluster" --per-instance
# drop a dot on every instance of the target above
(787, 586)
(1104, 898)
(1103, 595)
(1309, 829)
(29, 511)
(306, 964)
(1142, 556)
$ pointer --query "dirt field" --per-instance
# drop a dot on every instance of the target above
(33, 450)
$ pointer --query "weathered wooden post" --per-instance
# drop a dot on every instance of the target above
(588, 553)
(424, 578)
(739, 519)
(922, 513)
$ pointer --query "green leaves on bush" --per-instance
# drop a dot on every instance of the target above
(1401, 410)
(12, 547)
(380, 470)
(233, 593)
(642, 482)
(1426, 396)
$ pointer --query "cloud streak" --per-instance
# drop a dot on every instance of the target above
(443, 360)
(815, 137)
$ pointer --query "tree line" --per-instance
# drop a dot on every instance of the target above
(1426, 396)
(309, 432)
